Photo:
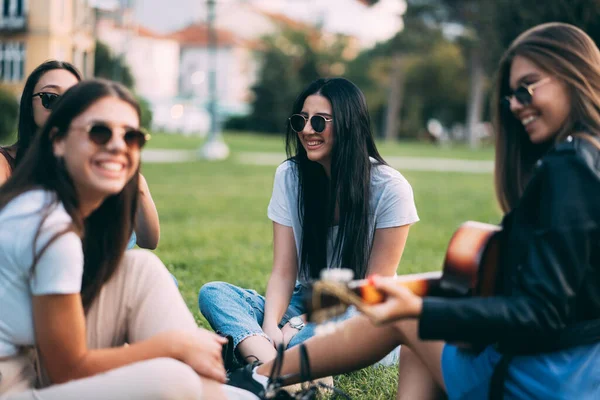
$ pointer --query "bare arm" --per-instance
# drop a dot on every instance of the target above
(283, 276)
(147, 227)
(388, 246)
(61, 338)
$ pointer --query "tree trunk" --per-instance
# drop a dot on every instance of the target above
(395, 97)
(476, 92)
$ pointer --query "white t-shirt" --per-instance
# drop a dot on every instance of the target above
(391, 204)
(58, 271)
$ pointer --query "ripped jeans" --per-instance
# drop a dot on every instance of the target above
(238, 312)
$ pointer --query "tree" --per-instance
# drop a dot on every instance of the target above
(291, 59)
(109, 66)
(274, 92)
(145, 108)
(435, 81)
(513, 17)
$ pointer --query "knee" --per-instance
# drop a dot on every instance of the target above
(140, 262)
(211, 294)
(173, 380)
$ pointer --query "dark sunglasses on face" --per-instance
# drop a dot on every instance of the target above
(524, 93)
(101, 134)
(318, 122)
(48, 99)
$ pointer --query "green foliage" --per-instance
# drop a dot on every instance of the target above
(275, 91)
(109, 66)
(146, 120)
(513, 17)
(290, 61)
(9, 112)
(436, 78)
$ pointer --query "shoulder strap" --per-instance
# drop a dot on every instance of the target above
(589, 138)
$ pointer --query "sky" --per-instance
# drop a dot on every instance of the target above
(370, 24)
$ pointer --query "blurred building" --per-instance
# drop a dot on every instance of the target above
(152, 58)
(33, 31)
(234, 60)
(171, 71)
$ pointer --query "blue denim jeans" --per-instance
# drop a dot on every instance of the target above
(231, 310)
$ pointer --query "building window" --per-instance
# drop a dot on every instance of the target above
(12, 61)
(12, 13)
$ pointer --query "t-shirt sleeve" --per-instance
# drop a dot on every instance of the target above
(59, 269)
(278, 210)
(397, 205)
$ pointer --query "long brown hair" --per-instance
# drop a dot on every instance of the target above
(106, 231)
(571, 56)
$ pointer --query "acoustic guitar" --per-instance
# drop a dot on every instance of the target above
(470, 269)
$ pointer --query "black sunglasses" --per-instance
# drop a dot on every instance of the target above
(318, 122)
(524, 93)
(101, 134)
(48, 99)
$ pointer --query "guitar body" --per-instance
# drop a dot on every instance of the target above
(470, 269)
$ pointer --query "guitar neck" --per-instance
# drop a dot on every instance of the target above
(422, 284)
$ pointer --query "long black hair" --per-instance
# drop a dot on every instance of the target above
(27, 126)
(348, 186)
(107, 229)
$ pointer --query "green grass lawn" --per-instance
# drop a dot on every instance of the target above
(214, 224)
(214, 227)
(239, 141)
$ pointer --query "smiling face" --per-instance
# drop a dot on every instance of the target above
(56, 81)
(318, 146)
(550, 105)
(99, 171)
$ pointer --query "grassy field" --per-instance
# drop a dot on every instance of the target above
(214, 225)
(238, 141)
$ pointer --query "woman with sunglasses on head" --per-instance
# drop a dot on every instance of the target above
(540, 334)
(71, 295)
(335, 203)
(43, 88)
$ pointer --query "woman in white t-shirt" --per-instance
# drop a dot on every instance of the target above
(335, 203)
(71, 297)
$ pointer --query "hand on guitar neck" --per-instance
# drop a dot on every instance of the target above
(400, 301)
(470, 269)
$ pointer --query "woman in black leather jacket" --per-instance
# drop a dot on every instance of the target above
(546, 318)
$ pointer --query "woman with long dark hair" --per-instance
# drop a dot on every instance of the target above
(43, 88)
(538, 337)
(335, 203)
(71, 296)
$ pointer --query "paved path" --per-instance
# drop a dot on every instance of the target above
(274, 159)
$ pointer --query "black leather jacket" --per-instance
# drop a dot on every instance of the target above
(550, 265)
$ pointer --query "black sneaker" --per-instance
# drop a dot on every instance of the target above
(242, 378)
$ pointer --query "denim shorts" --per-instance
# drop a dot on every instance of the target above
(567, 374)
